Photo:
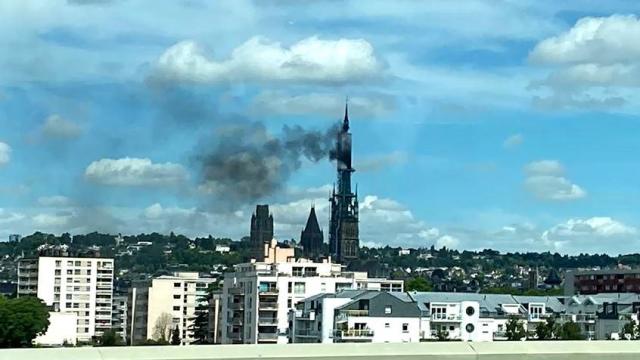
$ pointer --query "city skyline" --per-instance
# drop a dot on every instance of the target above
(496, 125)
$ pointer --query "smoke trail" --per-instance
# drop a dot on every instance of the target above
(248, 163)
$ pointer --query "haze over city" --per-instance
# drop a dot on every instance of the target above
(498, 124)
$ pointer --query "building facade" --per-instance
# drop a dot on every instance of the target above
(172, 303)
(601, 281)
(79, 285)
(261, 231)
(344, 243)
(257, 297)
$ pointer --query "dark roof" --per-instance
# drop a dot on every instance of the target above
(312, 222)
(553, 278)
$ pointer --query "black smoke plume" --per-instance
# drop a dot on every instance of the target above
(247, 163)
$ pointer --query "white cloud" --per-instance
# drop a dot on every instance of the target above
(8, 217)
(321, 104)
(603, 40)
(513, 141)
(51, 221)
(546, 181)
(544, 167)
(590, 235)
(447, 241)
(57, 127)
(5, 153)
(54, 201)
(134, 172)
(381, 162)
(259, 59)
(595, 64)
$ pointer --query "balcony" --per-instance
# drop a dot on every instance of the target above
(268, 290)
(267, 321)
(268, 305)
(236, 306)
(363, 335)
(236, 291)
(446, 317)
(307, 333)
(267, 337)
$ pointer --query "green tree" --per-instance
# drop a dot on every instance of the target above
(110, 338)
(418, 284)
(21, 320)
(630, 331)
(175, 336)
(515, 329)
(200, 328)
(442, 334)
(547, 329)
(570, 331)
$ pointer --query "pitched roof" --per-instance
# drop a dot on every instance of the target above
(312, 222)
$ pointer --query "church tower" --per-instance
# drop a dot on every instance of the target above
(343, 228)
(312, 237)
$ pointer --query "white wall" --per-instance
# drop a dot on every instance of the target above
(391, 334)
(62, 327)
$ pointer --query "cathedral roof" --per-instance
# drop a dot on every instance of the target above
(312, 222)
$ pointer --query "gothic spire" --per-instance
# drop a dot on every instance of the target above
(345, 123)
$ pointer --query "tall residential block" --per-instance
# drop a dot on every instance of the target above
(172, 303)
(80, 285)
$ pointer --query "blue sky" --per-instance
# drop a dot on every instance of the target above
(476, 124)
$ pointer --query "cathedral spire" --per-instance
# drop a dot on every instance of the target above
(345, 123)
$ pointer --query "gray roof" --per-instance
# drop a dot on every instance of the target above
(550, 302)
(489, 303)
(401, 304)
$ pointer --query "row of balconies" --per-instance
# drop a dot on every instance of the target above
(353, 334)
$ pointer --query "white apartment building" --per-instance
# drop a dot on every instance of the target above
(257, 297)
(172, 301)
(80, 285)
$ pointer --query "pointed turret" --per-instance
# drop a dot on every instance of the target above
(312, 237)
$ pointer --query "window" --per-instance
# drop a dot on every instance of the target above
(89, 272)
(289, 303)
(451, 328)
(58, 263)
(299, 288)
(176, 285)
(177, 297)
(387, 325)
(323, 287)
(405, 327)
(68, 296)
(76, 272)
(69, 263)
(289, 287)
(176, 308)
(387, 309)
(297, 271)
(78, 263)
(58, 272)
(69, 272)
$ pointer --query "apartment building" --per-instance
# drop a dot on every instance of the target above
(172, 302)
(602, 316)
(375, 316)
(587, 282)
(137, 311)
(257, 297)
(67, 284)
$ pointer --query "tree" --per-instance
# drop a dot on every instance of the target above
(162, 327)
(547, 329)
(175, 336)
(630, 331)
(442, 334)
(200, 327)
(21, 320)
(515, 329)
(570, 331)
(110, 338)
(418, 284)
